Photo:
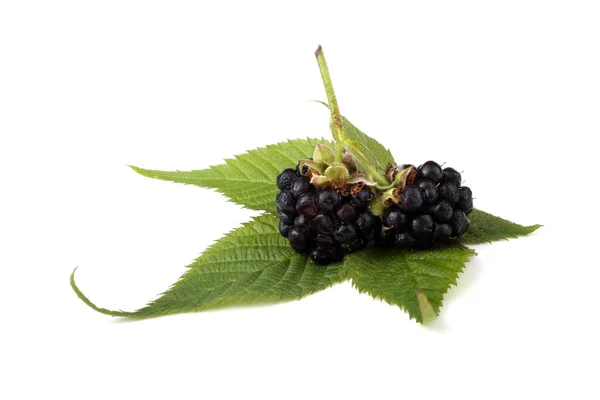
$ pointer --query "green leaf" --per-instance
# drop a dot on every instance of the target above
(252, 264)
(486, 228)
(248, 179)
(376, 153)
(415, 281)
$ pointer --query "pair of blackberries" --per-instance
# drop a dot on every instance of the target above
(327, 223)
(322, 222)
(432, 209)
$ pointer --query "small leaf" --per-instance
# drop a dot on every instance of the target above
(248, 179)
(376, 153)
(252, 264)
(415, 281)
(486, 228)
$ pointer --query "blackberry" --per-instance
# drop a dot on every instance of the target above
(287, 219)
(298, 239)
(284, 180)
(465, 199)
(452, 176)
(442, 211)
(404, 240)
(366, 222)
(328, 199)
(396, 219)
(412, 200)
(286, 202)
(300, 185)
(306, 206)
(384, 235)
(441, 232)
(422, 226)
(346, 213)
(430, 170)
(449, 192)
(325, 223)
(430, 191)
(322, 223)
(432, 209)
(362, 198)
(284, 228)
(459, 223)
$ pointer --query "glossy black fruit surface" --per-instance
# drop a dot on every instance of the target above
(321, 222)
(328, 199)
(412, 200)
(284, 180)
(300, 185)
(328, 223)
(449, 192)
(362, 198)
(452, 176)
(432, 171)
(432, 209)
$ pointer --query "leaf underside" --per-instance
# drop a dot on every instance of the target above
(413, 280)
(253, 264)
(248, 179)
(487, 228)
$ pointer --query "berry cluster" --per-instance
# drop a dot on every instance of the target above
(323, 222)
(432, 208)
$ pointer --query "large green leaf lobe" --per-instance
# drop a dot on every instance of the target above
(252, 264)
(416, 281)
(249, 178)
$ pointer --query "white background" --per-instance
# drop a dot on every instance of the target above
(508, 92)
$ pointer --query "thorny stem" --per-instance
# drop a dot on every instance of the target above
(337, 127)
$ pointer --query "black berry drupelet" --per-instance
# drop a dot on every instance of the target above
(432, 209)
(322, 222)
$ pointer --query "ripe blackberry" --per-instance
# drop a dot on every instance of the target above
(346, 213)
(449, 192)
(323, 222)
(465, 199)
(362, 198)
(432, 209)
(284, 180)
(452, 176)
(306, 205)
(300, 185)
(430, 191)
(328, 199)
(286, 203)
(412, 200)
(430, 170)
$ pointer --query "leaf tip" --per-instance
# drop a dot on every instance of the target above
(87, 301)
(533, 228)
(428, 314)
(136, 169)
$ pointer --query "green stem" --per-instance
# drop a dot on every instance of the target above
(337, 127)
(357, 151)
(374, 173)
